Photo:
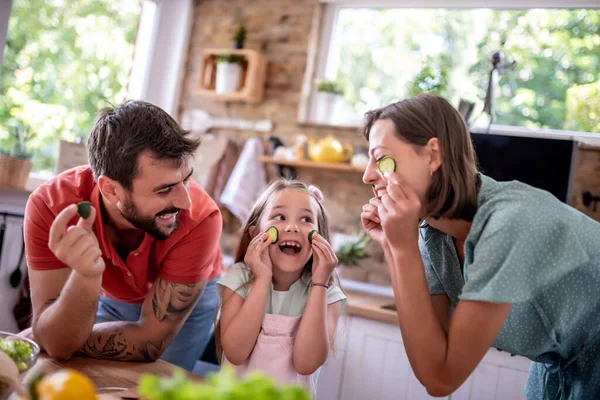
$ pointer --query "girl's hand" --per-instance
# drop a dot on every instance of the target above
(324, 260)
(399, 213)
(257, 257)
(372, 223)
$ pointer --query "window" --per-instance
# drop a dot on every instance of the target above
(63, 61)
(382, 55)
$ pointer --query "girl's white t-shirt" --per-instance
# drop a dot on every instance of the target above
(289, 303)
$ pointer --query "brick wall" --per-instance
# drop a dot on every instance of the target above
(280, 30)
(587, 179)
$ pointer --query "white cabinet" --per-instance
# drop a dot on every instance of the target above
(376, 365)
(499, 376)
(330, 377)
(370, 363)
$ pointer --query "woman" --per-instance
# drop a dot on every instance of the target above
(477, 263)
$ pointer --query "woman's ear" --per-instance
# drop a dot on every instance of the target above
(435, 157)
(252, 231)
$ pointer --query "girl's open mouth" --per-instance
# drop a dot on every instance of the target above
(290, 247)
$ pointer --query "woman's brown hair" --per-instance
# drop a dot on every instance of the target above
(454, 187)
(253, 220)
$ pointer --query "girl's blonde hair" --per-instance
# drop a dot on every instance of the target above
(256, 214)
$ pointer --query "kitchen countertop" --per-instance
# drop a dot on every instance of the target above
(370, 306)
(105, 373)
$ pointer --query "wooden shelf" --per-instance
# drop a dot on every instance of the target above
(342, 167)
(254, 73)
(317, 125)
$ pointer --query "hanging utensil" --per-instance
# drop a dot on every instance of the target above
(16, 275)
(2, 231)
(499, 66)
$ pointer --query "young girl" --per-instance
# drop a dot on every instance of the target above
(280, 306)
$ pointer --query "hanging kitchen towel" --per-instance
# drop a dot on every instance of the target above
(246, 182)
(207, 156)
(213, 164)
(220, 173)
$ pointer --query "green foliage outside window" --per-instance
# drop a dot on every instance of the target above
(63, 61)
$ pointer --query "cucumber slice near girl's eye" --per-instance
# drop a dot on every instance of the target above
(273, 234)
(311, 234)
(84, 209)
(386, 164)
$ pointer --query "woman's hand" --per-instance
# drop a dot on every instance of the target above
(257, 257)
(372, 223)
(399, 213)
(324, 260)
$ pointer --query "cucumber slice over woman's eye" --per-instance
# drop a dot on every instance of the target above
(311, 234)
(84, 209)
(386, 164)
(273, 234)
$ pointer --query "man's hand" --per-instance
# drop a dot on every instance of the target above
(28, 334)
(76, 246)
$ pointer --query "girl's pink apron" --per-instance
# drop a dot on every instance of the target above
(273, 351)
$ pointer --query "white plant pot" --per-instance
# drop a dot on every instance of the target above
(228, 77)
(329, 107)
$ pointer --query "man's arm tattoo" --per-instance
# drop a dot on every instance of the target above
(51, 301)
(170, 302)
(114, 346)
(174, 300)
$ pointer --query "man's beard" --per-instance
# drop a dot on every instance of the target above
(148, 224)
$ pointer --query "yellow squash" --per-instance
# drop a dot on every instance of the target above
(329, 150)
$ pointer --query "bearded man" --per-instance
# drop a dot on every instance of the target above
(135, 280)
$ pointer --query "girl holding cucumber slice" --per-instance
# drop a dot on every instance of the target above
(477, 263)
(280, 302)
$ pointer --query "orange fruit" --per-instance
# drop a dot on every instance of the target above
(66, 384)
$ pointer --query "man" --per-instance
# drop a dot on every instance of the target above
(135, 280)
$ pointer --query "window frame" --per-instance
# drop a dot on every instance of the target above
(160, 55)
(5, 7)
(329, 11)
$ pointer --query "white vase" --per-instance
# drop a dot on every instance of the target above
(329, 107)
(228, 77)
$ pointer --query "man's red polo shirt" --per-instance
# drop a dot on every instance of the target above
(191, 254)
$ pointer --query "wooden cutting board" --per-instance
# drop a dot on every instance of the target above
(105, 373)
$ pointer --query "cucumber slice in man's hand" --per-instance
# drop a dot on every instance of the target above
(84, 209)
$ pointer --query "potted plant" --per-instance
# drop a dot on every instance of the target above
(229, 73)
(239, 36)
(330, 101)
(15, 163)
(350, 254)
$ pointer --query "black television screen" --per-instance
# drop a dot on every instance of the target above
(540, 162)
